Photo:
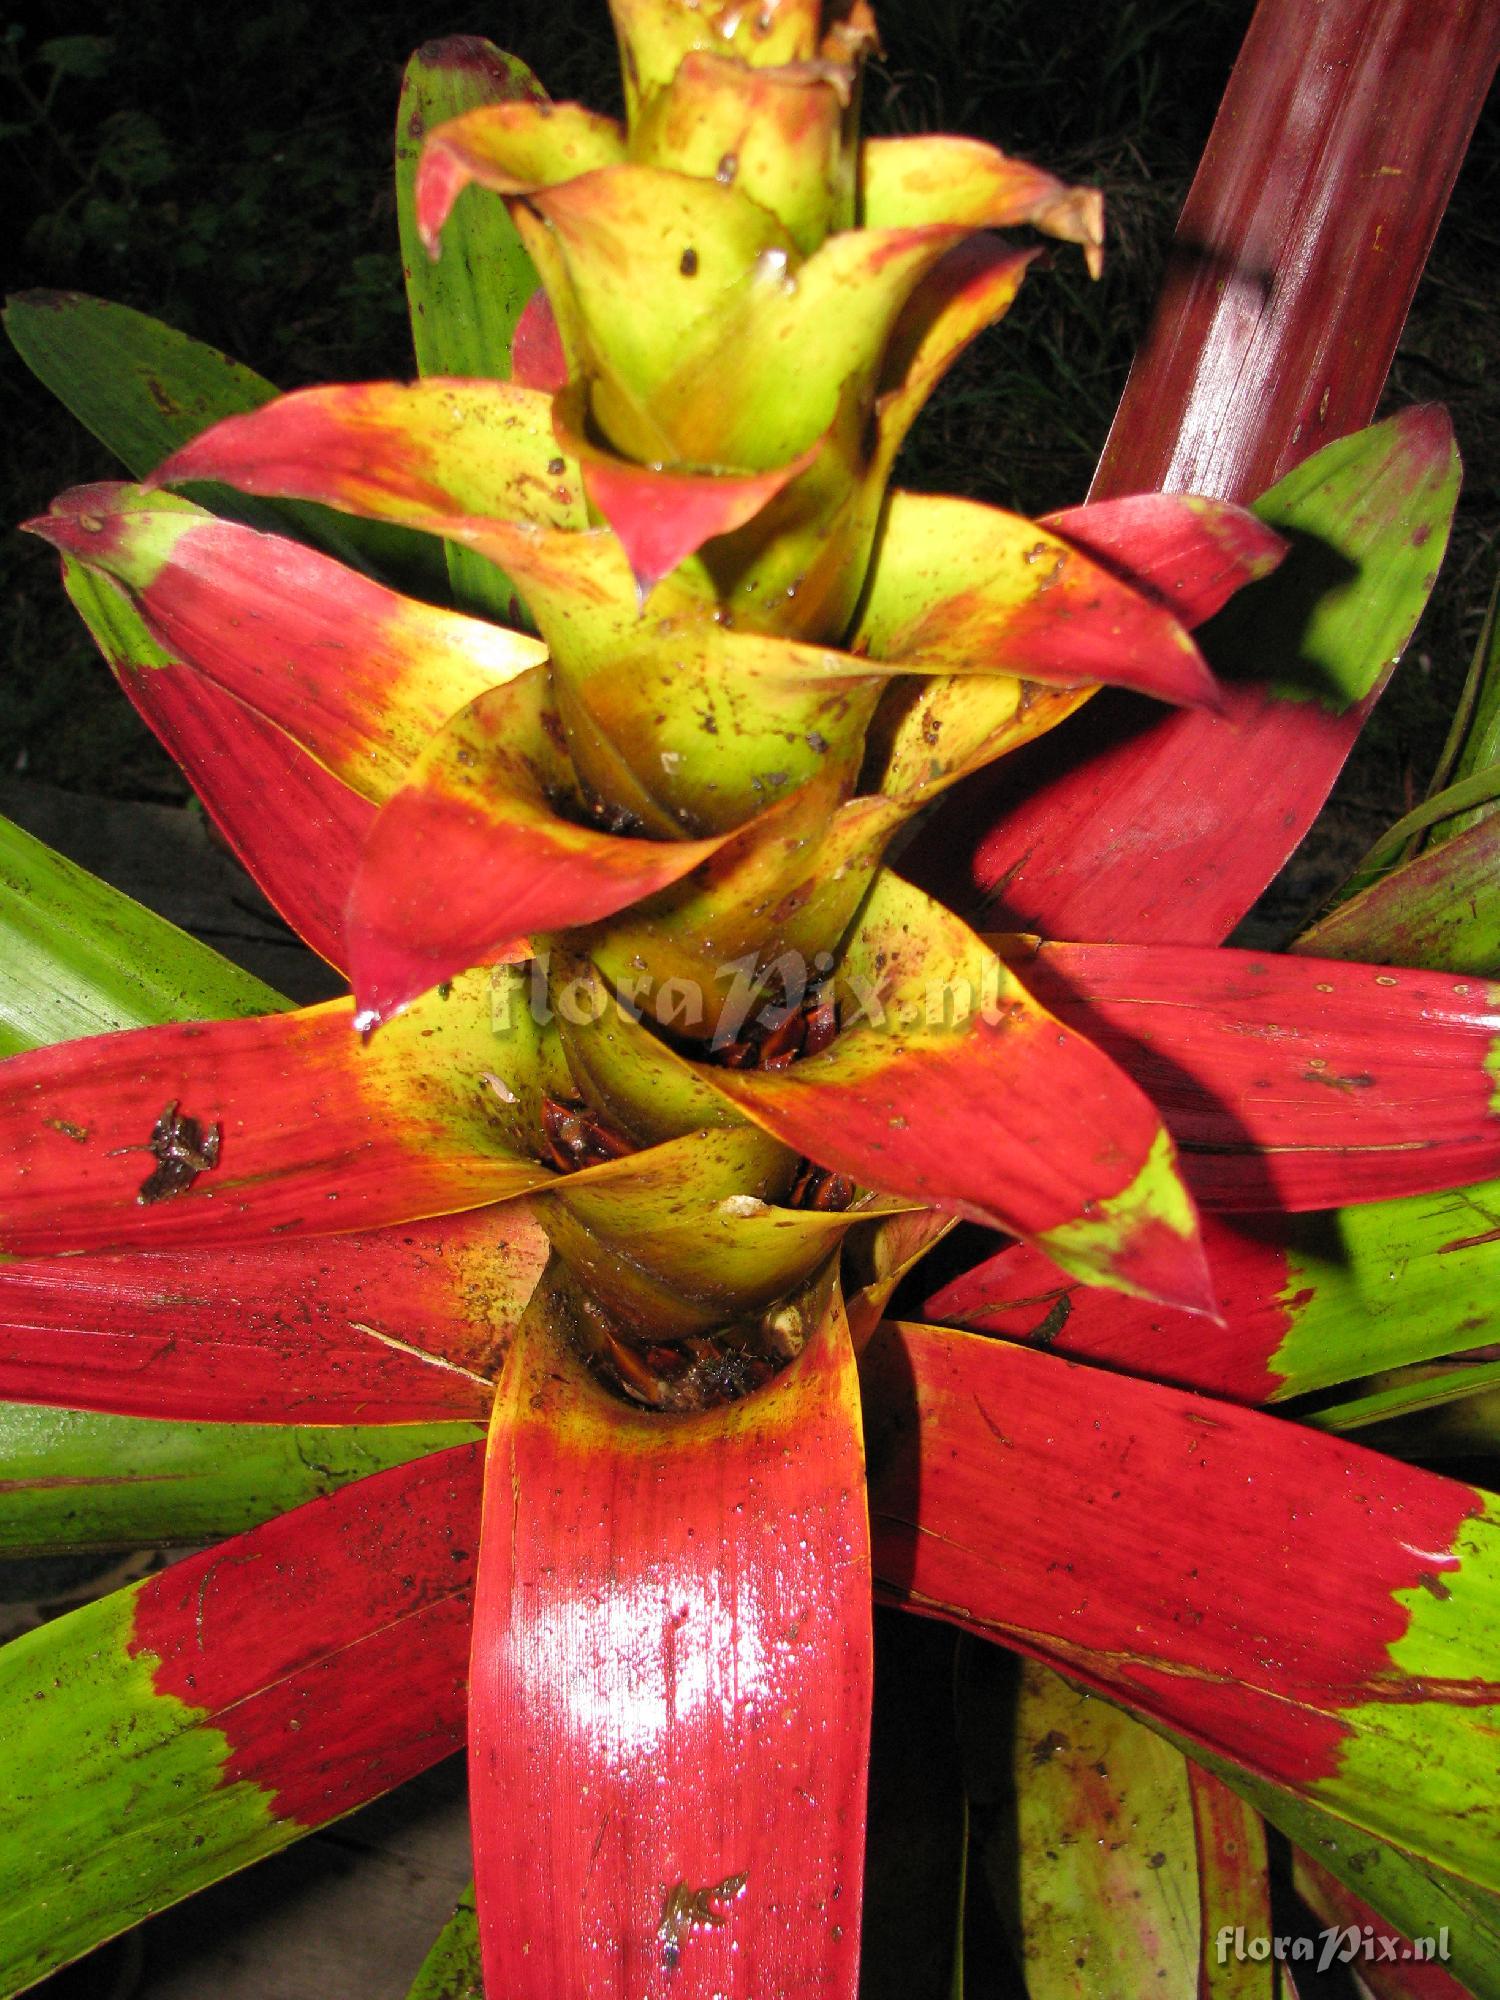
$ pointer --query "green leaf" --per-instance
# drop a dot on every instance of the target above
(79, 958)
(144, 389)
(464, 306)
(78, 55)
(1105, 1863)
(141, 387)
(1001, 1500)
(1414, 1895)
(1438, 909)
(452, 1969)
(1367, 542)
(1404, 1392)
(75, 1479)
(1458, 801)
(1368, 518)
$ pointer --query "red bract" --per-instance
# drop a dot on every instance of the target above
(658, 1078)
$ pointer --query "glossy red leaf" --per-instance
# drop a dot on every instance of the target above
(957, 587)
(577, 573)
(316, 1132)
(946, 1084)
(1143, 1540)
(671, 1685)
(297, 829)
(1292, 1083)
(1051, 855)
(1273, 335)
(1020, 1293)
(406, 1325)
(362, 1602)
(1189, 553)
(1307, 1301)
(471, 856)
(356, 674)
(1275, 328)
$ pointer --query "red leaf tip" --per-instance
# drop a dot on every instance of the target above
(537, 360)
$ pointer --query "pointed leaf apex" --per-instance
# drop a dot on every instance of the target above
(537, 358)
(441, 179)
(1144, 1240)
(660, 514)
(1426, 426)
(1077, 216)
(78, 521)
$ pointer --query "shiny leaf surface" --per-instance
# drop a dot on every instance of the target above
(956, 587)
(463, 307)
(1308, 1301)
(508, 148)
(1292, 1083)
(356, 674)
(315, 1131)
(1141, 1538)
(941, 178)
(943, 1087)
(471, 855)
(399, 1326)
(704, 1835)
(144, 389)
(264, 794)
(1369, 515)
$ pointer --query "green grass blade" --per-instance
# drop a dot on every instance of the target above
(79, 958)
(1438, 909)
(1474, 741)
(75, 1479)
(1457, 805)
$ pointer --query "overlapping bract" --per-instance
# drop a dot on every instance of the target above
(730, 649)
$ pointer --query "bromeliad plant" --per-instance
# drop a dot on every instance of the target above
(574, 699)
